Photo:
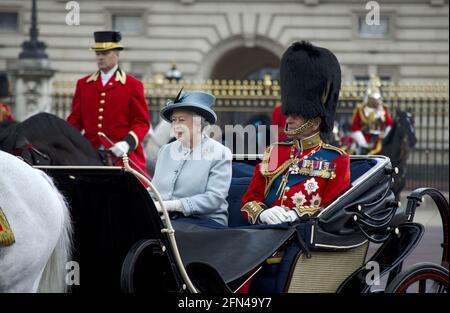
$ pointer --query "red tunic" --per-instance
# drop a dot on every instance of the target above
(279, 119)
(5, 113)
(369, 123)
(323, 174)
(118, 109)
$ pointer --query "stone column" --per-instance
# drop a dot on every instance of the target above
(33, 88)
(33, 75)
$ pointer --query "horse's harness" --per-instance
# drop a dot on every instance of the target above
(28, 153)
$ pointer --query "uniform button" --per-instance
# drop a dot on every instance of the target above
(101, 110)
(100, 117)
(284, 197)
(99, 125)
(110, 83)
(103, 94)
(102, 101)
(288, 188)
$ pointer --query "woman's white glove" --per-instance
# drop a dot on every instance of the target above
(277, 215)
(120, 148)
(171, 206)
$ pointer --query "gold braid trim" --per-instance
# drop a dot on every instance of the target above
(264, 168)
(6, 234)
(333, 148)
(306, 210)
(367, 120)
(253, 210)
(270, 179)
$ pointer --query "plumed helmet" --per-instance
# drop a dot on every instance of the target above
(373, 88)
(310, 79)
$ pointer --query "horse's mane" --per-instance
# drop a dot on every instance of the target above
(52, 136)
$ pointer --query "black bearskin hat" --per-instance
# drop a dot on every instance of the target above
(310, 79)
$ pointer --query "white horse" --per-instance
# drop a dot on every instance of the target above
(40, 221)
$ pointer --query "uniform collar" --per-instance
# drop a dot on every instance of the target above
(309, 142)
(119, 75)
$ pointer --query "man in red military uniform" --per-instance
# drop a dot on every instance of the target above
(301, 175)
(371, 121)
(279, 119)
(112, 102)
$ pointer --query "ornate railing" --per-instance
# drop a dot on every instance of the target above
(240, 102)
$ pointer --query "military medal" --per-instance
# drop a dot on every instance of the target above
(299, 199)
(311, 186)
(315, 200)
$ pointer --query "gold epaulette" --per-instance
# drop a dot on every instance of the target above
(330, 147)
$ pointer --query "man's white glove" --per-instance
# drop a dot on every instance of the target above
(360, 139)
(171, 206)
(277, 215)
(120, 148)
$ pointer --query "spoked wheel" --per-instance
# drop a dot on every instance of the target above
(420, 278)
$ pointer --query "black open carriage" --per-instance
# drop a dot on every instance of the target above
(122, 244)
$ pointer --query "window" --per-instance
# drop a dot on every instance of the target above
(366, 78)
(9, 21)
(130, 24)
(382, 30)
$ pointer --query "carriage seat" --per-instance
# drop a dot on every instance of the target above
(361, 169)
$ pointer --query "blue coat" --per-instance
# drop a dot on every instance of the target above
(200, 177)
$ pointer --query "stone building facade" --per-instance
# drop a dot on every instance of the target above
(231, 39)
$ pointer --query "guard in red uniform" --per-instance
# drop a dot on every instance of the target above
(5, 110)
(301, 175)
(279, 119)
(112, 102)
(371, 121)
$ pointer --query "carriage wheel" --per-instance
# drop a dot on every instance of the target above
(420, 278)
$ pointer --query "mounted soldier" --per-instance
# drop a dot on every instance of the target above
(371, 120)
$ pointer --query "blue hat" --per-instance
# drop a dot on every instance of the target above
(199, 102)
